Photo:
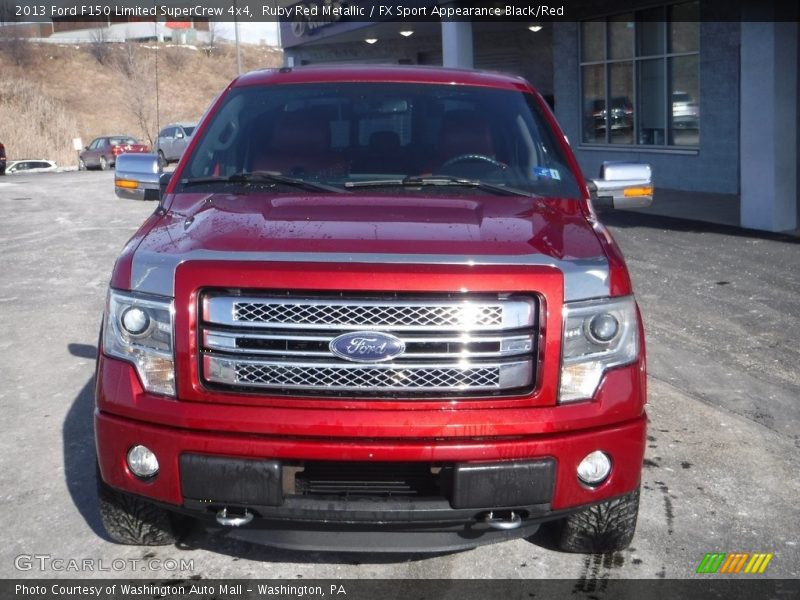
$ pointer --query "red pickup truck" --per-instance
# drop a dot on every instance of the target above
(374, 309)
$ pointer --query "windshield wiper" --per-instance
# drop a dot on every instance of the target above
(257, 177)
(443, 180)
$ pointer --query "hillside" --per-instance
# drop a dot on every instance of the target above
(50, 94)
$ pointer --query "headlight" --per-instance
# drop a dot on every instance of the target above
(598, 335)
(138, 329)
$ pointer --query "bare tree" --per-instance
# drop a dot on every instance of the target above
(175, 57)
(17, 48)
(140, 98)
(98, 45)
(12, 40)
(128, 58)
(211, 41)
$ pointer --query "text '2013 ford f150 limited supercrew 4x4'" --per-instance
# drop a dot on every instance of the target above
(374, 308)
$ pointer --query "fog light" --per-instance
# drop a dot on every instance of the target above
(142, 462)
(594, 468)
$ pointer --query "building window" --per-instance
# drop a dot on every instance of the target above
(640, 77)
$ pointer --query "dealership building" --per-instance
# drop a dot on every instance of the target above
(705, 91)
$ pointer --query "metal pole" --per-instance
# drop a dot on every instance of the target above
(158, 126)
(278, 24)
(236, 36)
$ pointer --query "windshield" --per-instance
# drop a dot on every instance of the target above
(365, 136)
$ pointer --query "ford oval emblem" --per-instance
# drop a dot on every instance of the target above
(367, 346)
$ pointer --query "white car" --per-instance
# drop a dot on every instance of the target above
(685, 111)
(30, 165)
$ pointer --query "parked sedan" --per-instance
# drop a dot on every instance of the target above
(103, 151)
(172, 141)
(30, 165)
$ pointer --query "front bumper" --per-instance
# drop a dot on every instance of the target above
(415, 524)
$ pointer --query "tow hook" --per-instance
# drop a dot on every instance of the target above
(234, 520)
(503, 521)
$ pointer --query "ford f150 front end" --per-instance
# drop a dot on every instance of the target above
(374, 308)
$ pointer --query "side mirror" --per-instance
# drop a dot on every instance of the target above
(137, 176)
(163, 182)
(623, 185)
(178, 135)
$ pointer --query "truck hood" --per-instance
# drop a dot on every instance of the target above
(478, 229)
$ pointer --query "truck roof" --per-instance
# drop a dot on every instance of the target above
(381, 73)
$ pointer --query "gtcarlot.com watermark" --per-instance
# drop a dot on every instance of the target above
(59, 564)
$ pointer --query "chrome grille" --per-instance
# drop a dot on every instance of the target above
(329, 315)
(391, 314)
(463, 346)
(360, 377)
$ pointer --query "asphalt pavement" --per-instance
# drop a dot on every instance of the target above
(722, 321)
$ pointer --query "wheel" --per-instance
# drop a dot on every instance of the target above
(103, 163)
(131, 520)
(81, 165)
(605, 527)
(162, 160)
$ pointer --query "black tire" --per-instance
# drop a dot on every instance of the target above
(81, 165)
(133, 521)
(103, 163)
(162, 160)
(605, 527)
